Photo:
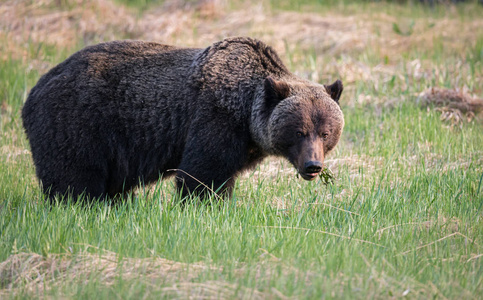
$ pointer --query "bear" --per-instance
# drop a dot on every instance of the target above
(121, 113)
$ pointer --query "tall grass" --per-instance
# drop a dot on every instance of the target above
(403, 217)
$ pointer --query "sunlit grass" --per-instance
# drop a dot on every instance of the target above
(402, 218)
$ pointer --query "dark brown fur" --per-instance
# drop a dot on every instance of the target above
(118, 113)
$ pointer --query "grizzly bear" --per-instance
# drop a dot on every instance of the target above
(119, 113)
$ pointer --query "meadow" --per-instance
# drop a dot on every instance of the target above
(403, 216)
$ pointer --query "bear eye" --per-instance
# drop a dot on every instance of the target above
(325, 136)
(300, 134)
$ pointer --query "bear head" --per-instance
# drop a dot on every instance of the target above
(304, 122)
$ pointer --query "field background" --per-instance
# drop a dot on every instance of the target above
(403, 217)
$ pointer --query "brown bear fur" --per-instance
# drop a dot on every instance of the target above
(119, 113)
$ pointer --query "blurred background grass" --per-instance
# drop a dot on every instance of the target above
(403, 217)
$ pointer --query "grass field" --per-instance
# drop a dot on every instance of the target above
(403, 217)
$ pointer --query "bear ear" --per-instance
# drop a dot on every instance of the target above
(334, 90)
(275, 90)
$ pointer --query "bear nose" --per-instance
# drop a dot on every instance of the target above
(313, 166)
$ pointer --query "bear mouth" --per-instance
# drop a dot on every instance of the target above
(309, 176)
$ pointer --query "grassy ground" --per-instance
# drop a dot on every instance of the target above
(403, 217)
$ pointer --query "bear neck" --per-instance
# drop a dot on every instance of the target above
(259, 123)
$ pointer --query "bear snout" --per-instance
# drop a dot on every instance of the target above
(311, 169)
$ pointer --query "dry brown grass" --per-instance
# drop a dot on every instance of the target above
(200, 25)
(456, 106)
(25, 24)
(36, 274)
(44, 22)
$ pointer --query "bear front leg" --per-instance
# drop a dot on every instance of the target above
(75, 182)
(189, 184)
(211, 160)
